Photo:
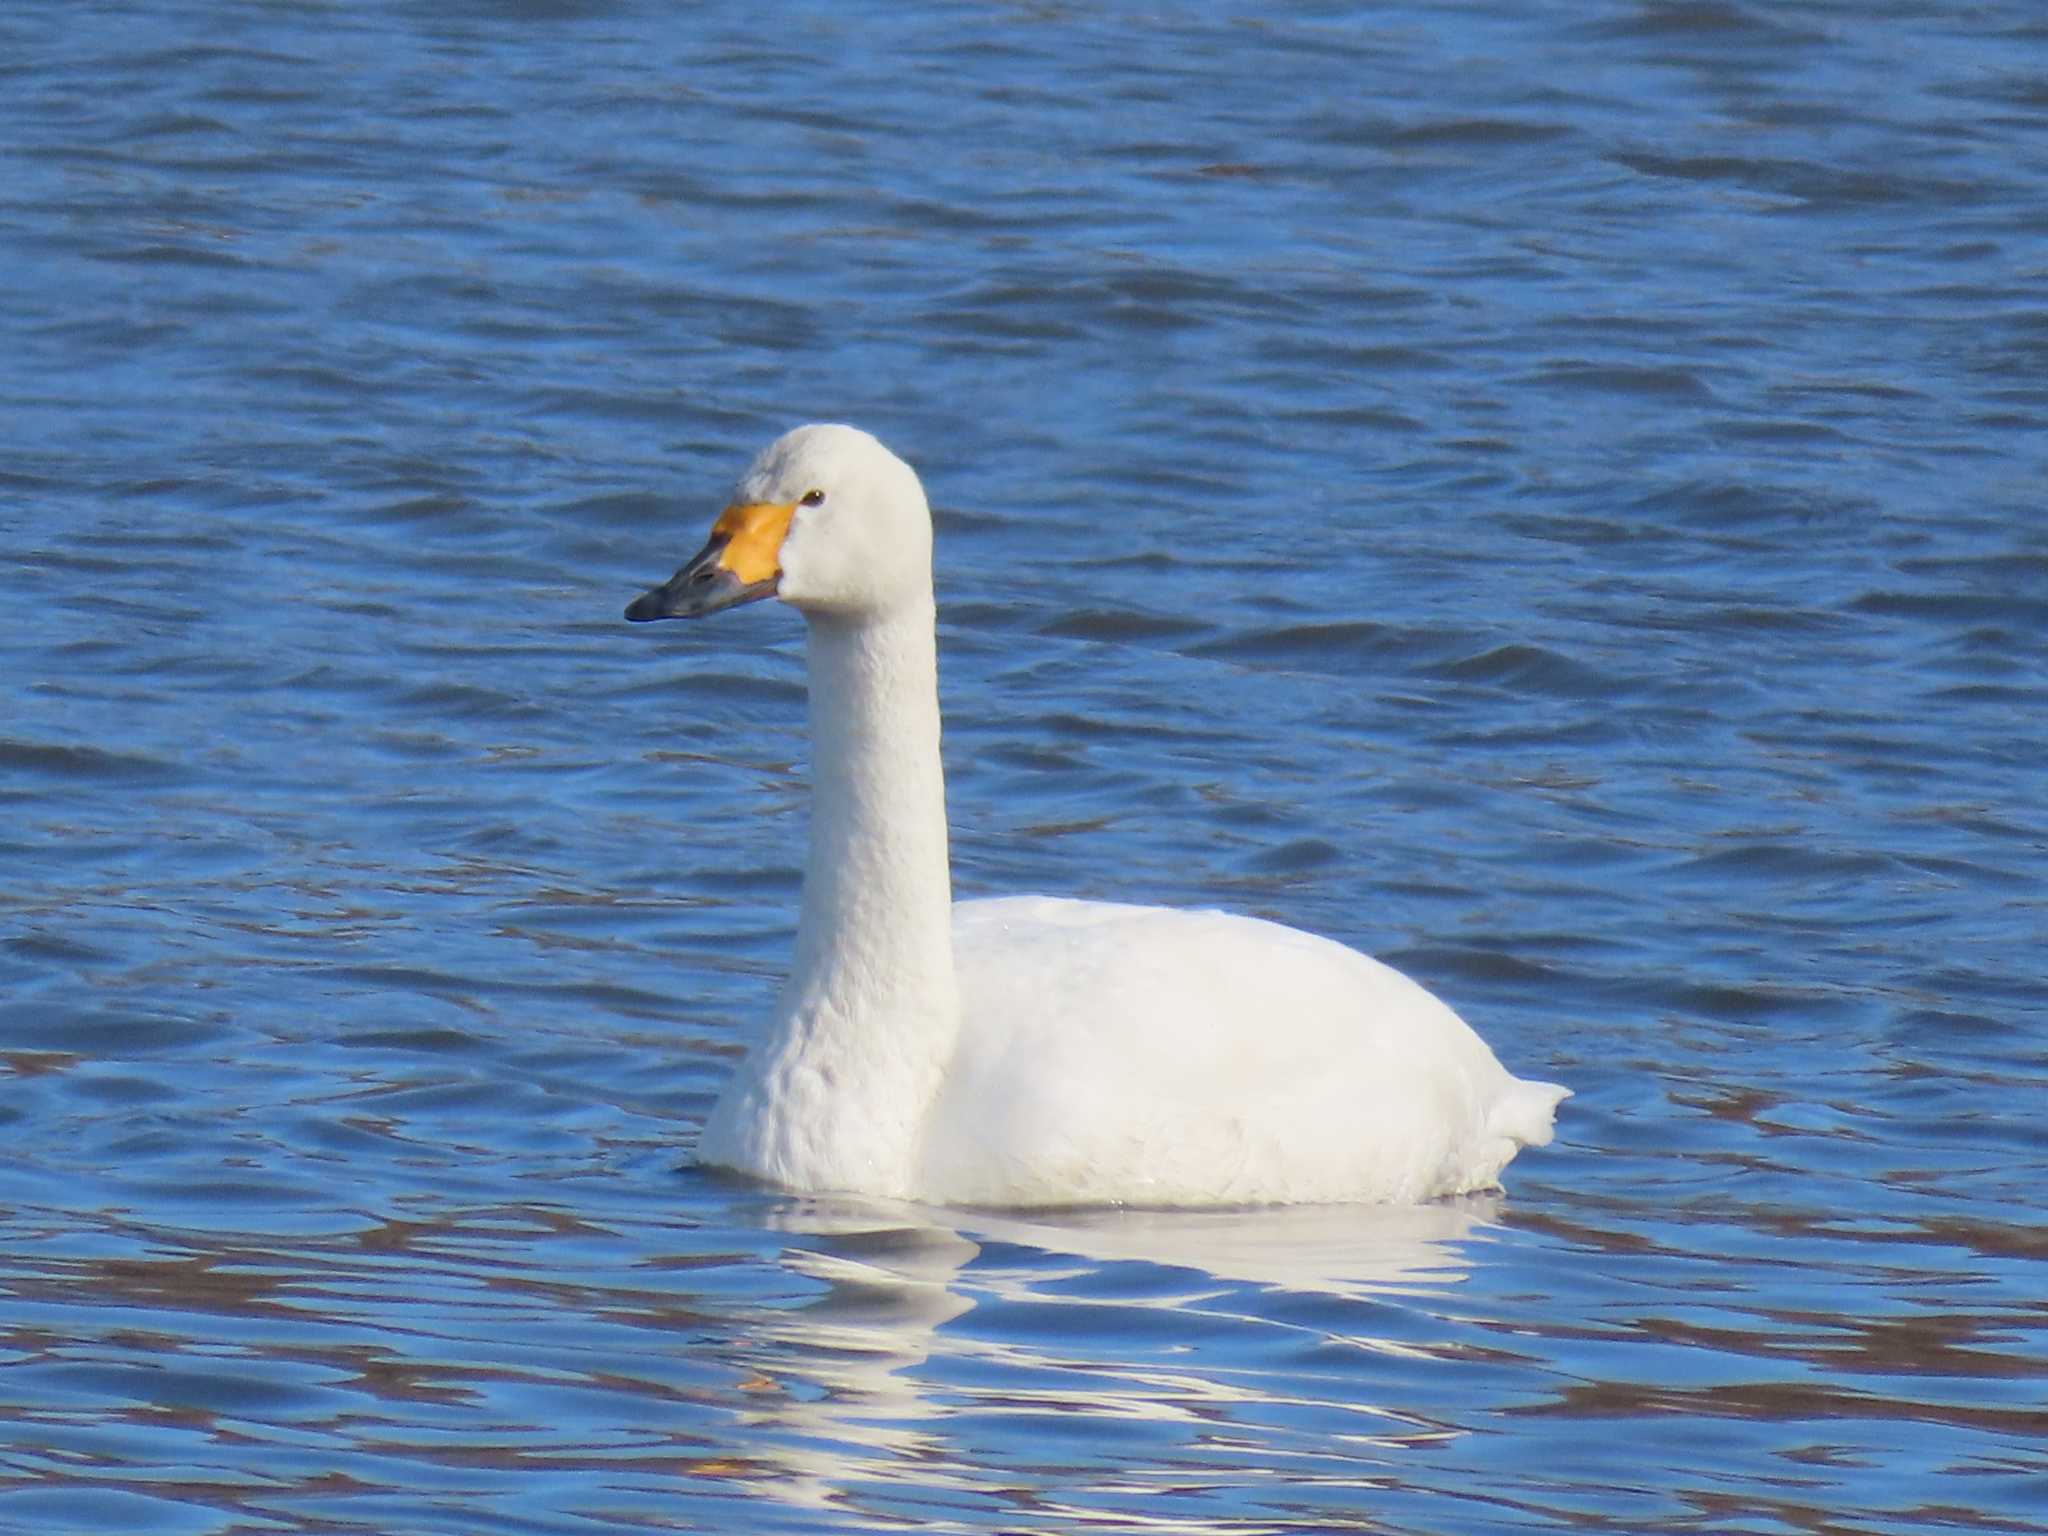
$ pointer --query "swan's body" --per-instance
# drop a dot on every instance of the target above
(1032, 1050)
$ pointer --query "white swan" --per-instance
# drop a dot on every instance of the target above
(1032, 1051)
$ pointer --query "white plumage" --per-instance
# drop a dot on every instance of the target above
(1033, 1051)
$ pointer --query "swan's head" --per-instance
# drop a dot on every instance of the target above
(826, 519)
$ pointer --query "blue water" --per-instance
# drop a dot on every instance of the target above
(1552, 496)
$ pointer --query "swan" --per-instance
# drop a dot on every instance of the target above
(1033, 1051)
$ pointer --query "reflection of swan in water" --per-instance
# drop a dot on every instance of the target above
(858, 1387)
(1336, 1250)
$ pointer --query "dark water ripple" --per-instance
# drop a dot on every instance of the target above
(1551, 499)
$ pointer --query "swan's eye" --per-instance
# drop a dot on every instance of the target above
(812, 499)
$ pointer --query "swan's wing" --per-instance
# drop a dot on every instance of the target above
(1151, 1055)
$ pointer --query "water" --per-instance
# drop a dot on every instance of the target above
(1551, 496)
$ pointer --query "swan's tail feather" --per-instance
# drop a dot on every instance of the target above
(1527, 1112)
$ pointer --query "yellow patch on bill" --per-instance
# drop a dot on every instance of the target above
(754, 531)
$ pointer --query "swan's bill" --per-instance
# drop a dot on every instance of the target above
(741, 562)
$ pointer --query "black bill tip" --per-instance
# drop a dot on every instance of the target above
(703, 586)
(651, 604)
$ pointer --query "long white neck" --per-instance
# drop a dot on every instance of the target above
(878, 891)
(835, 1093)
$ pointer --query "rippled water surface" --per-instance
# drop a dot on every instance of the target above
(1552, 495)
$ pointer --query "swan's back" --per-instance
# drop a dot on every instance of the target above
(1158, 1056)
